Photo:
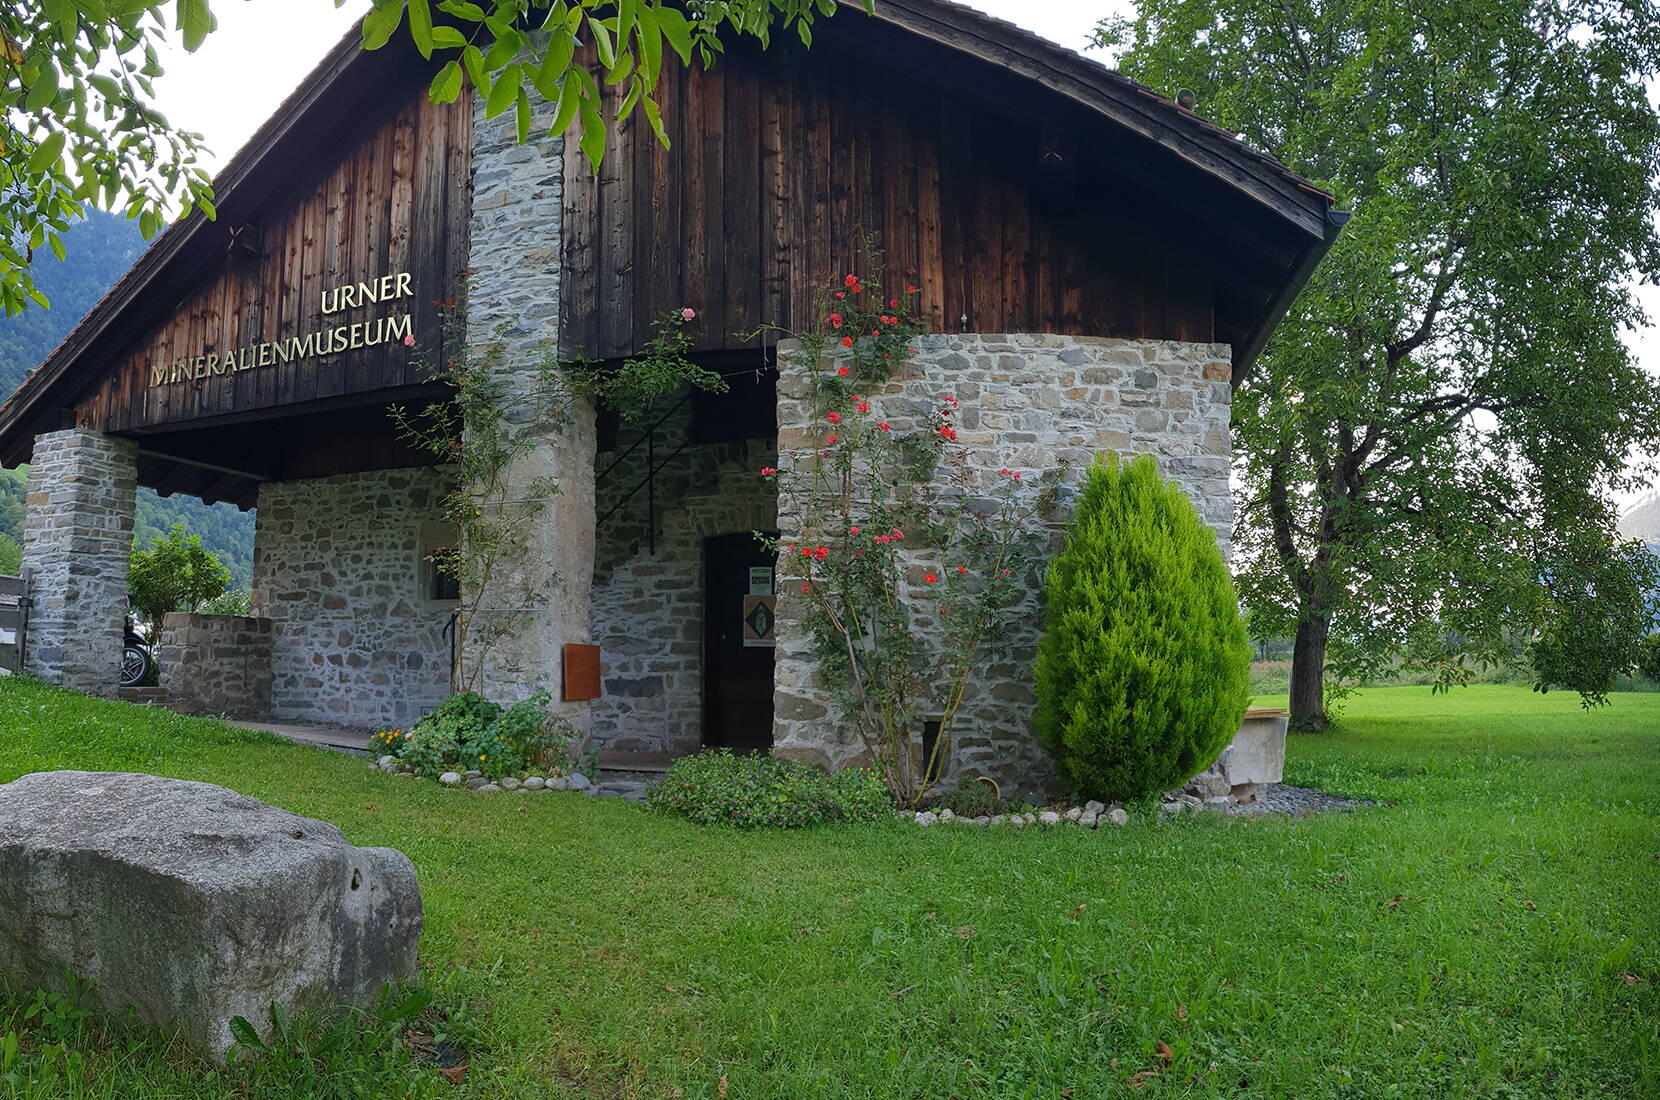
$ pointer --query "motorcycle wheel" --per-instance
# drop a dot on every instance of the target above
(135, 665)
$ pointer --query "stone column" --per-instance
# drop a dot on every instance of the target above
(77, 541)
(540, 599)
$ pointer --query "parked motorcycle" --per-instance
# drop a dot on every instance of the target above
(137, 658)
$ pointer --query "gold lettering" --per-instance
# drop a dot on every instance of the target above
(331, 301)
(403, 285)
(388, 287)
(201, 369)
(399, 327)
(366, 294)
(357, 335)
(265, 354)
(158, 374)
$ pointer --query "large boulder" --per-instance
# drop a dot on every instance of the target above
(194, 904)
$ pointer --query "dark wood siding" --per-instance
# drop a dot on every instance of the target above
(396, 200)
(782, 162)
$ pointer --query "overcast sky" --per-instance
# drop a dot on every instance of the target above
(264, 48)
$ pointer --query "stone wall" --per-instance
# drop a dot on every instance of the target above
(216, 664)
(539, 600)
(77, 542)
(1026, 403)
(339, 570)
(648, 605)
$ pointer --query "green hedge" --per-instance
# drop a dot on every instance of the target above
(1143, 673)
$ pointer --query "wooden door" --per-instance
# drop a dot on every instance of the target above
(737, 678)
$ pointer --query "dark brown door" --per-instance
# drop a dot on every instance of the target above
(737, 678)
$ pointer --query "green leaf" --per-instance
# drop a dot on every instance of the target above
(679, 33)
(420, 26)
(602, 43)
(62, 15)
(196, 22)
(521, 115)
(47, 154)
(44, 89)
(501, 95)
(447, 38)
(473, 59)
(569, 98)
(245, 1034)
(550, 76)
(463, 10)
(593, 132)
(57, 246)
(506, 47)
(447, 84)
(381, 23)
(654, 115)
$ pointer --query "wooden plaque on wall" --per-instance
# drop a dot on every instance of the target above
(581, 672)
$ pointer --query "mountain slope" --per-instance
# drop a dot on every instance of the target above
(101, 248)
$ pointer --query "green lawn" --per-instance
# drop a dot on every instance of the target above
(584, 947)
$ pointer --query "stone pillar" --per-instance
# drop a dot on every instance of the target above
(77, 541)
(540, 598)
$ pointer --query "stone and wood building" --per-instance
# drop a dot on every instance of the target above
(1098, 268)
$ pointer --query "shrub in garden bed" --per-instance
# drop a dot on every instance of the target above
(716, 786)
(468, 732)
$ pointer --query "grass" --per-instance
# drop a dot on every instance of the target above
(1493, 931)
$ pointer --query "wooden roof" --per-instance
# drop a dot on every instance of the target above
(325, 107)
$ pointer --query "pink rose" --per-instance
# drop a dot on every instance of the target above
(688, 314)
(409, 341)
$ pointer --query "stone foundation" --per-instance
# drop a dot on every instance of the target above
(77, 541)
(216, 664)
(340, 571)
(1026, 402)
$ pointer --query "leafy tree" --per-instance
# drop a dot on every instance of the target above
(76, 85)
(1143, 672)
(1429, 443)
(11, 556)
(176, 574)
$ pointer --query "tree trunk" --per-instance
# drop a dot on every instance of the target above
(1308, 672)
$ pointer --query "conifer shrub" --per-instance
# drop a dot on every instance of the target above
(1143, 672)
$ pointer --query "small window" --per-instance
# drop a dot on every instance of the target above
(439, 585)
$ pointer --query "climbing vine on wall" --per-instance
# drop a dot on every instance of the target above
(495, 415)
(907, 565)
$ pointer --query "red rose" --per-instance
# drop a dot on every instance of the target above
(847, 341)
(832, 439)
(836, 319)
(910, 290)
(851, 280)
(930, 578)
(863, 406)
(841, 370)
(834, 418)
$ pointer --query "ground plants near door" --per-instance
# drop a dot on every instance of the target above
(1491, 931)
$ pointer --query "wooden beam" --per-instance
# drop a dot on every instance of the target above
(204, 465)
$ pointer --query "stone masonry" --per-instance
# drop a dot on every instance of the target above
(648, 606)
(77, 542)
(1026, 402)
(339, 570)
(540, 601)
(216, 664)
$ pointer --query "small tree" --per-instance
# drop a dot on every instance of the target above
(175, 574)
(1143, 672)
(11, 556)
